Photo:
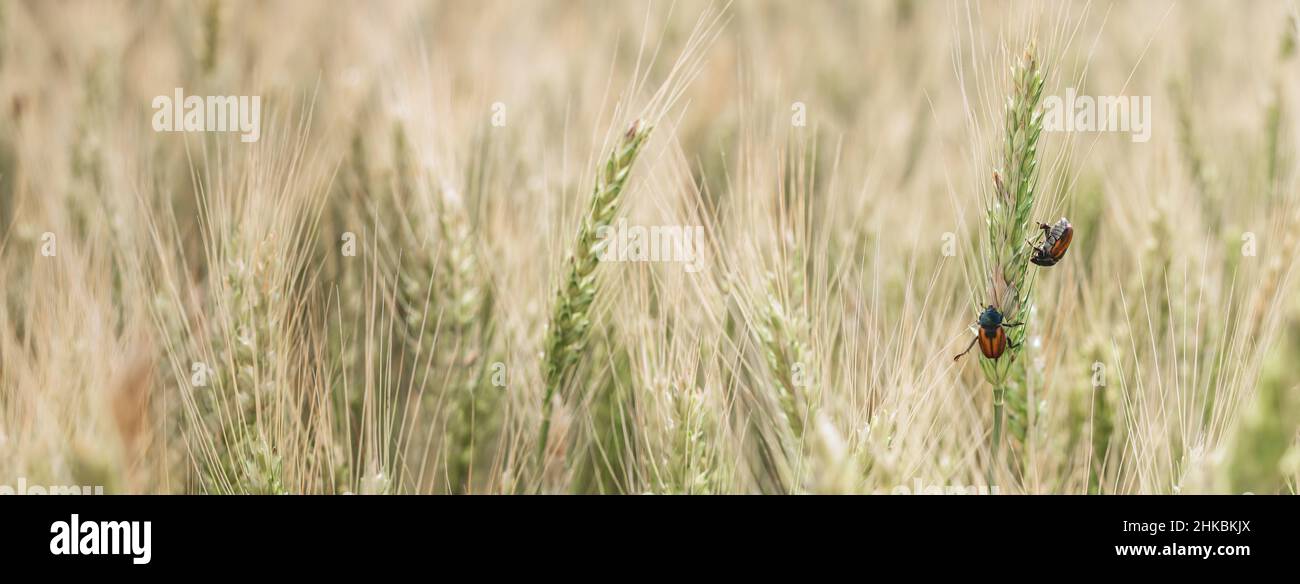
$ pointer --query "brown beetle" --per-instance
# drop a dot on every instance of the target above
(991, 337)
(1056, 240)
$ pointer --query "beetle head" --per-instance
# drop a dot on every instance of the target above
(990, 318)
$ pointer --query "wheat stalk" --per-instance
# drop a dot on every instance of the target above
(782, 330)
(443, 302)
(690, 467)
(466, 310)
(245, 385)
(1007, 258)
(570, 323)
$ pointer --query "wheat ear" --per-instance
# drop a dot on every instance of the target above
(568, 329)
(1008, 259)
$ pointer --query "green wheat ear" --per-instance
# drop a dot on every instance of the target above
(570, 324)
(1009, 287)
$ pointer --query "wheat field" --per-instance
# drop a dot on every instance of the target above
(648, 247)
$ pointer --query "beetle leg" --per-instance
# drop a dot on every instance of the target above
(1005, 324)
(968, 348)
(1014, 345)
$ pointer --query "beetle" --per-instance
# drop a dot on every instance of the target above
(992, 336)
(1056, 240)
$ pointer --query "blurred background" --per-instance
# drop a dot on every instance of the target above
(200, 325)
